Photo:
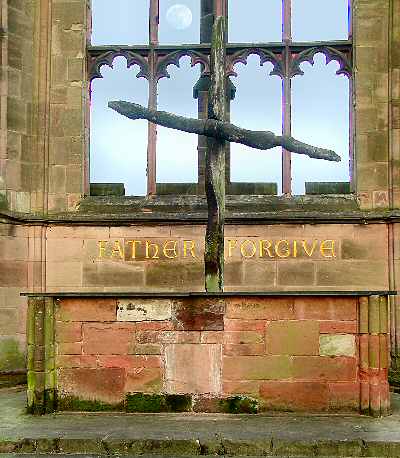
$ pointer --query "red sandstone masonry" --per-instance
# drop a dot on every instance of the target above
(107, 339)
(295, 396)
(97, 310)
(271, 356)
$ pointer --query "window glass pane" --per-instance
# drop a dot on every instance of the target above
(257, 106)
(255, 21)
(320, 116)
(177, 151)
(319, 20)
(179, 21)
(118, 146)
(120, 22)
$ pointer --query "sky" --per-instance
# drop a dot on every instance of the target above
(320, 98)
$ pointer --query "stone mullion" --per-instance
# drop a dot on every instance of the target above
(3, 93)
(287, 96)
(41, 102)
(374, 355)
(152, 102)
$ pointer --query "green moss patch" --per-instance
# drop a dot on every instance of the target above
(154, 403)
(70, 403)
(239, 404)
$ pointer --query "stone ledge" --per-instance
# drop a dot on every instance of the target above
(194, 435)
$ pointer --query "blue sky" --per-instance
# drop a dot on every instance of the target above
(320, 98)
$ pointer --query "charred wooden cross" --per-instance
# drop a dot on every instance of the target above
(218, 132)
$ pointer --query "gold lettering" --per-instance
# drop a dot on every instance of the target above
(253, 249)
(295, 248)
(309, 252)
(286, 252)
(190, 249)
(133, 243)
(117, 250)
(231, 245)
(330, 248)
(150, 245)
(102, 249)
(167, 250)
(265, 247)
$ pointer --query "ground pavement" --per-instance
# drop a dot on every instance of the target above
(178, 435)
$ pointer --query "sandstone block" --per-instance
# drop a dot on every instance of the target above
(71, 361)
(80, 309)
(323, 368)
(212, 337)
(259, 308)
(244, 325)
(256, 367)
(327, 308)
(244, 349)
(69, 348)
(344, 396)
(199, 314)
(337, 345)
(295, 396)
(292, 338)
(144, 309)
(144, 380)
(68, 332)
(233, 387)
(243, 337)
(338, 327)
(193, 368)
(107, 339)
(129, 362)
(104, 384)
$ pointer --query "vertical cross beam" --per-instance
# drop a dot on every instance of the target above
(215, 164)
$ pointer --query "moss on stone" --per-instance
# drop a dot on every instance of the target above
(11, 356)
(151, 403)
(154, 403)
(179, 403)
(239, 404)
(74, 404)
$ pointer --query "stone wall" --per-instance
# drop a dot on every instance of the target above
(17, 172)
(258, 258)
(212, 354)
(14, 248)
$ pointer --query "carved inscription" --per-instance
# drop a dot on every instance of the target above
(139, 250)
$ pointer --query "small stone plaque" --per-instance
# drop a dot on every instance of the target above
(144, 310)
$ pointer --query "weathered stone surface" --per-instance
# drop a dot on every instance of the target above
(83, 309)
(295, 396)
(292, 338)
(107, 339)
(199, 314)
(144, 309)
(257, 368)
(337, 345)
(105, 385)
(193, 368)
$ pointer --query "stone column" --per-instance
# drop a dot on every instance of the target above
(374, 356)
(41, 392)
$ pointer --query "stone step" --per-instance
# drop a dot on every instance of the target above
(189, 447)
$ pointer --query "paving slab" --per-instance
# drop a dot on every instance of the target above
(195, 434)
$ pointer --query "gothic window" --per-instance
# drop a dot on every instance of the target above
(289, 65)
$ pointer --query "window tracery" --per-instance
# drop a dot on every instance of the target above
(287, 58)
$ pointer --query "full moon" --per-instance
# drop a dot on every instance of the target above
(179, 17)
